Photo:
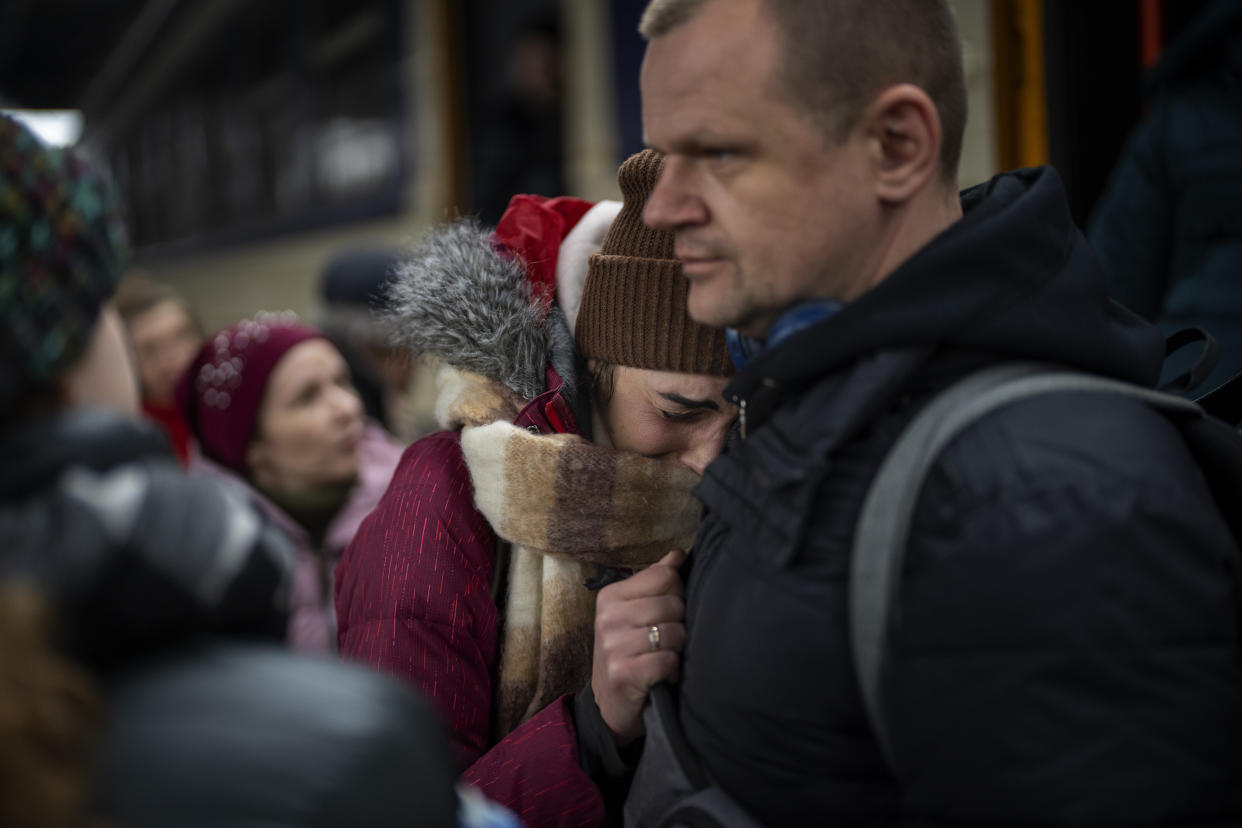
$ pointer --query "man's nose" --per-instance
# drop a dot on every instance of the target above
(673, 202)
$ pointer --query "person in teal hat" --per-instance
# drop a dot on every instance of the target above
(143, 612)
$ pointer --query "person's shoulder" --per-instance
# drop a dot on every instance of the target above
(1200, 117)
(1084, 441)
(439, 452)
(432, 479)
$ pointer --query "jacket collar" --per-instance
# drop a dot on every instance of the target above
(550, 412)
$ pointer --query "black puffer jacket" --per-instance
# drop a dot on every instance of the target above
(159, 578)
(1067, 640)
(1168, 228)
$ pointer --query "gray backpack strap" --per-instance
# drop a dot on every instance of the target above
(884, 522)
(667, 773)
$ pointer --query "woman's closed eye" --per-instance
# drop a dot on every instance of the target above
(681, 416)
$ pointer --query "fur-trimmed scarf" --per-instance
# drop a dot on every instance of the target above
(567, 508)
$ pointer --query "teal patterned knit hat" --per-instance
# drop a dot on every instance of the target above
(62, 251)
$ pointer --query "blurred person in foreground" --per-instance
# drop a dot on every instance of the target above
(165, 336)
(353, 299)
(580, 405)
(272, 409)
(1167, 228)
(141, 611)
(1065, 639)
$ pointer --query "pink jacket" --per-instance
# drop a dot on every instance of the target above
(312, 617)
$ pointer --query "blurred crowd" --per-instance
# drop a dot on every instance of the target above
(603, 568)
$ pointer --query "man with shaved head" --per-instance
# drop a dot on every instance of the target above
(1062, 647)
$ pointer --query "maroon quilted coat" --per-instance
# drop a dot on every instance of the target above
(413, 597)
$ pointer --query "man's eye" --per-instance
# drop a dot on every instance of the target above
(680, 416)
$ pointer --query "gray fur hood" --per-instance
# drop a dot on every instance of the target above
(454, 296)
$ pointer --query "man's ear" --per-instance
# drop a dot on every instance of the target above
(904, 127)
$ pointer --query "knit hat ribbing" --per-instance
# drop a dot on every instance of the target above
(633, 308)
(62, 252)
(222, 390)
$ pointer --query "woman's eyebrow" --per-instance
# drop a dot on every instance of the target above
(689, 403)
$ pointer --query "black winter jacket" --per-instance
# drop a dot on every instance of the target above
(1066, 650)
(158, 577)
(1168, 228)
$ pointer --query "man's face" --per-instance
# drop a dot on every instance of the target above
(165, 341)
(767, 211)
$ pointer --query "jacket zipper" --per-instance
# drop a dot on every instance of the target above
(741, 417)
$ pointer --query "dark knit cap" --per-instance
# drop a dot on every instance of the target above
(633, 308)
(353, 292)
(62, 252)
(357, 276)
(220, 393)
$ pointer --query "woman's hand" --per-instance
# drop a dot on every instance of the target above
(639, 634)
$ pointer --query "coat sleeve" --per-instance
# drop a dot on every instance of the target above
(413, 590)
(535, 772)
(1067, 645)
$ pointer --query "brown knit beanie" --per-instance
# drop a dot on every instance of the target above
(633, 309)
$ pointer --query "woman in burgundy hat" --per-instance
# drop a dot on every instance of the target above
(270, 403)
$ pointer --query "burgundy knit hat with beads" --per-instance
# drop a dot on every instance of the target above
(221, 391)
(633, 308)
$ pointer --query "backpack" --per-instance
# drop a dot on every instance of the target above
(671, 788)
